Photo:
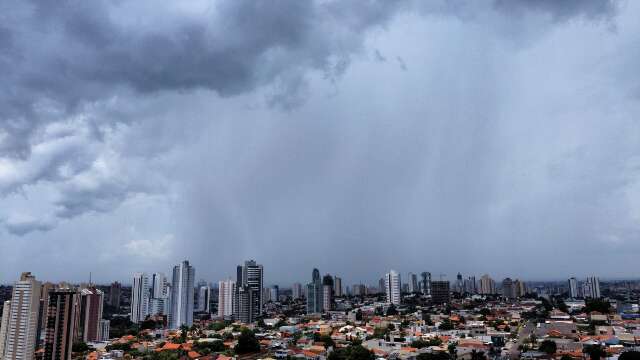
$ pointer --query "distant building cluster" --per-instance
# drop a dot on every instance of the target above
(45, 320)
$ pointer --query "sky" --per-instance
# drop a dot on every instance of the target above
(476, 136)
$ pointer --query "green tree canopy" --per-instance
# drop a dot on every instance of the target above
(548, 346)
(247, 342)
(630, 355)
(434, 356)
(353, 352)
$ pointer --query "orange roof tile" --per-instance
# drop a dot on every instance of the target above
(193, 355)
(170, 346)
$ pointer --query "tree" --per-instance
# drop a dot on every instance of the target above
(247, 342)
(426, 343)
(477, 355)
(548, 346)
(217, 326)
(184, 330)
(566, 357)
(446, 324)
(353, 352)
(630, 355)
(599, 305)
(433, 356)
(207, 347)
(392, 310)
(325, 339)
(148, 324)
(80, 347)
(595, 352)
(453, 349)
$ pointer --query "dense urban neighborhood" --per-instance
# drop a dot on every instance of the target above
(412, 318)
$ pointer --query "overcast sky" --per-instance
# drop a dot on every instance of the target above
(498, 137)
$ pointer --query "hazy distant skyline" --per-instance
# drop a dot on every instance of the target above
(498, 137)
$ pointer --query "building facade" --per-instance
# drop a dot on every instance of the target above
(249, 285)
(140, 294)
(182, 295)
(60, 329)
(392, 285)
(22, 328)
(226, 298)
(440, 292)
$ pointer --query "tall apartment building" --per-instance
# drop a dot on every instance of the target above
(4, 325)
(327, 292)
(440, 293)
(140, 295)
(61, 320)
(90, 307)
(425, 283)
(202, 297)
(42, 321)
(337, 286)
(520, 288)
(159, 294)
(182, 295)
(487, 285)
(392, 287)
(314, 293)
(104, 329)
(459, 288)
(573, 288)
(249, 284)
(244, 302)
(226, 298)
(470, 285)
(508, 289)
(115, 291)
(23, 319)
(413, 283)
(296, 291)
(592, 288)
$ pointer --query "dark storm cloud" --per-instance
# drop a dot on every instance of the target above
(65, 56)
(133, 128)
(560, 10)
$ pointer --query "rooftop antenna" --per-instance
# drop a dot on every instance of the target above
(89, 278)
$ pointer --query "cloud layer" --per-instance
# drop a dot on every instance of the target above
(472, 136)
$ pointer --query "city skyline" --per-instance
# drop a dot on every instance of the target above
(493, 136)
(375, 278)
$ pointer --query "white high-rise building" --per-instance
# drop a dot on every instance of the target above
(158, 285)
(573, 288)
(140, 298)
(4, 324)
(226, 297)
(392, 287)
(592, 288)
(203, 296)
(182, 295)
(22, 328)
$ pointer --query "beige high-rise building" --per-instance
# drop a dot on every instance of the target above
(226, 295)
(487, 285)
(23, 319)
(4, 324)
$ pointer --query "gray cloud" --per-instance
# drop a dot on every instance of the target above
(164, 137)
(560, 10)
